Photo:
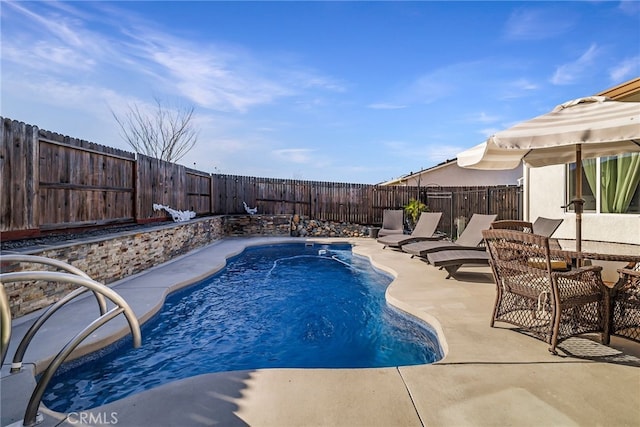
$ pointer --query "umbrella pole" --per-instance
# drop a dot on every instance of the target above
(578, 201)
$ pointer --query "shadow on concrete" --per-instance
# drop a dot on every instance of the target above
(204, 400)
(587, 348)
(473, 277)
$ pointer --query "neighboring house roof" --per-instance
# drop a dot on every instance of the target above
(449, 174)
(404, 178)
(627, 91)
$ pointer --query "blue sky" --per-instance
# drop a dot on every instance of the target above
(357, 92)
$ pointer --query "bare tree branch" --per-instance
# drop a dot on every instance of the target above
(163, 133)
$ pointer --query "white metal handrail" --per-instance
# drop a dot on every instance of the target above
(35, 259)
(101, 291)
(5, 324)
(24, 343)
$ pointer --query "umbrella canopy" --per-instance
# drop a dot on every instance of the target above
(489, 156)
(582, 128)
(601, 127)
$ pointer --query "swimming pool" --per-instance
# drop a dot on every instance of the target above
(278, 306)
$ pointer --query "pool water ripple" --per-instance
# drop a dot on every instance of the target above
(280, 306)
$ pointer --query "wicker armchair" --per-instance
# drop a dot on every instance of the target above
(625, 304)
(539, 291)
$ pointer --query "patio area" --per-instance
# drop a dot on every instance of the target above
(488, 377)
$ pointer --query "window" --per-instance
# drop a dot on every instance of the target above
(609, 184)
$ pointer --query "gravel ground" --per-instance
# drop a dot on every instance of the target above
(52, 239)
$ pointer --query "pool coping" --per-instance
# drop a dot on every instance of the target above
(459, 311)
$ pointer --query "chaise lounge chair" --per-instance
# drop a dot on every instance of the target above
(541, 226)
(392, 222)
(546, 226)
(453, 259)
(470, 239)
(424, 230)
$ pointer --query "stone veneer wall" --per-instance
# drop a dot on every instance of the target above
(286, 225)
(305, 227)
(257, 225)
(111, 258)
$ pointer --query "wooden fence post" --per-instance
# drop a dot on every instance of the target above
(19, 179)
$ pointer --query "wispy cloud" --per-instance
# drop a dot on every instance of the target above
(295, 155)
(537, 24)
(440, 153)
(305, 78)
(212, 79)
(63, 28)
(61, 41)
(483, 117)
(492, 80)
(448, 81)
(630, 7)
(429, 153)
(224, 77)
(54, 92)
(487, 132)
(572, 71)
(59, 58)
(431, 87)
(385, 106)
(625, 69)
(214, 76)
(396, 148)
(518, 88)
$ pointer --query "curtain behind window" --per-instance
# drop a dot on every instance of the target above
(590, 172)
(619, 179)
(588, 186)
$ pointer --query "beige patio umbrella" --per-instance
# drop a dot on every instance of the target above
(579, 129)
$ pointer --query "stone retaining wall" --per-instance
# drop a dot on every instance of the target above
(285, 225)
(257, 225)
(305, 227)
(110, 258)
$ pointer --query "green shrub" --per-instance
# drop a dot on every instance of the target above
(413, 209)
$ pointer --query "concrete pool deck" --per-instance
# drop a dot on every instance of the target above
(488, 377)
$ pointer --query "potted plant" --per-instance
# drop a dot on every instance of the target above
(413, 209)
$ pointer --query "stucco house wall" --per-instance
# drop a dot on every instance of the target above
(545, 196)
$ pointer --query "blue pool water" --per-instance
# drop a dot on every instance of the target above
(279, 306)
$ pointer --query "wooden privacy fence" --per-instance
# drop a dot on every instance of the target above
(52, 182)
(82, 184)
(329, 201)
(462, 202)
